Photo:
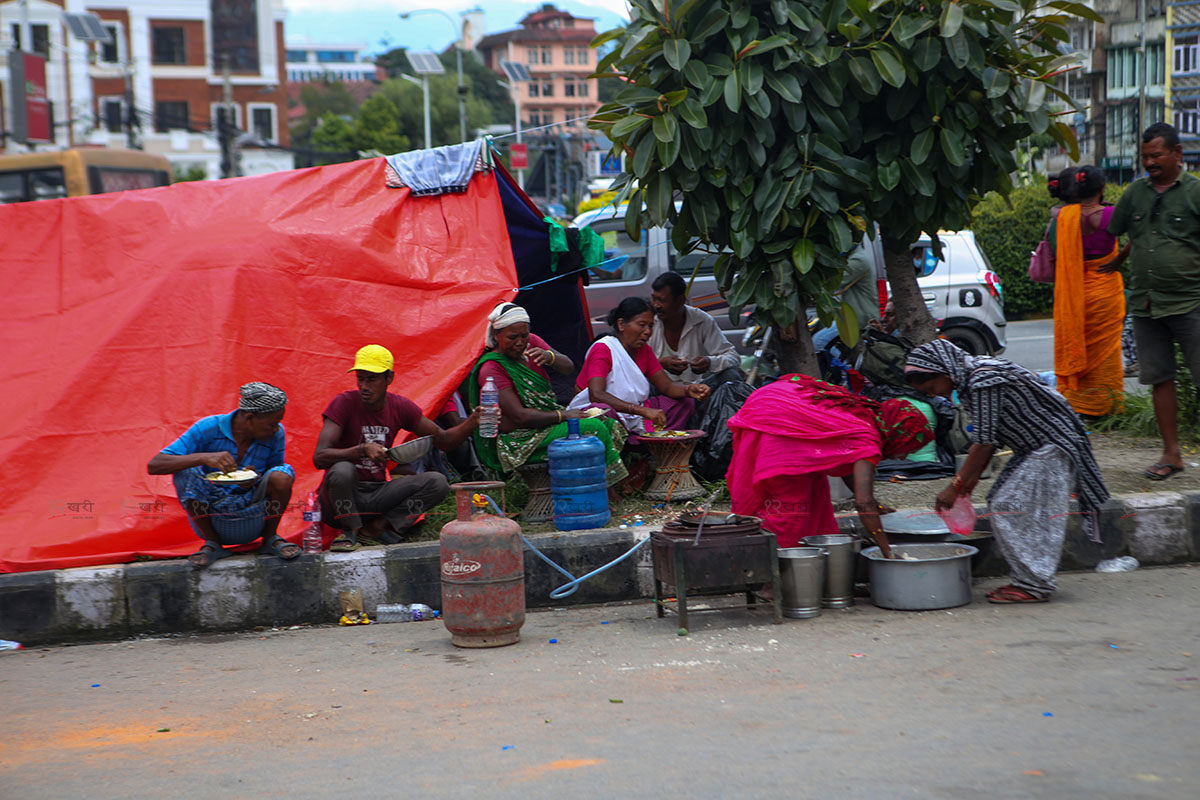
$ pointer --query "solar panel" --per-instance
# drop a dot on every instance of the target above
(516, 72)
(425, 62)
(87, 28)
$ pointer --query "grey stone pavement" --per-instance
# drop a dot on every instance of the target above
(1094, 695)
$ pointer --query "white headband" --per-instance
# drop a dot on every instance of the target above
(502, 316)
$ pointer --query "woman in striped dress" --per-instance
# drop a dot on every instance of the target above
(1029, 502)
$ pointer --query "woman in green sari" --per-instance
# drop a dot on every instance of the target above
(530, 416)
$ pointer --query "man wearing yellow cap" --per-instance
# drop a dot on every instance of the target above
(358, 495)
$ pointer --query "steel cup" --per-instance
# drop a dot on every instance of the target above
(801, 575)
(838, 588)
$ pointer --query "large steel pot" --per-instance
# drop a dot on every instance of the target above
(940, 577)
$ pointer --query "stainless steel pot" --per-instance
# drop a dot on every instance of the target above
(940, 577)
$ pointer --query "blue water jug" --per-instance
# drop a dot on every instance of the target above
(577, 481)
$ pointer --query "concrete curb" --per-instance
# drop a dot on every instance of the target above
(244, 592)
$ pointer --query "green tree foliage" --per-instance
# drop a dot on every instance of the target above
(190, 174)
(318, 100)
(782, 123)
(487, 100)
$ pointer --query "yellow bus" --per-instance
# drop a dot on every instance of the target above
(71, 173)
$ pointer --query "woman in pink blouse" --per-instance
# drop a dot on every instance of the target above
(620, 370)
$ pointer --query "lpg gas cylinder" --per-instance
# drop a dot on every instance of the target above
(483, 573)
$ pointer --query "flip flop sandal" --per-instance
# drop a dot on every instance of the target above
(275, 547)
(1171, 469)
(1011, 595)
(213, 551)
(344, 543)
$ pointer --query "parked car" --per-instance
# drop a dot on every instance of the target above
(961, 289)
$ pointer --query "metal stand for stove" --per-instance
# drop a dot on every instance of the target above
(713, 575)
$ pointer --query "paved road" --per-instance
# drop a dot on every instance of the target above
(1093, 696)
(1031, 344)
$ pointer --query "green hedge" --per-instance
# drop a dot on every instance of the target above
(1008, 234)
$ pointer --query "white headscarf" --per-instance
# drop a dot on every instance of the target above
(502, 316)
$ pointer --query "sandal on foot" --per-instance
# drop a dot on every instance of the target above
(1011, 595)
(344, 543)
(277, 546)
(1171, 469)
(209, 552)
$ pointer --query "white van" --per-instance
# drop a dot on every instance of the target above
(962, 291)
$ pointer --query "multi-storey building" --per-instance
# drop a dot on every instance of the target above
(1183, 89)
(553, 45)
(163, 80)
(309, 63)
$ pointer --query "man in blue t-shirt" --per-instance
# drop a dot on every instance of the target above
(251, 438)
(358, 495)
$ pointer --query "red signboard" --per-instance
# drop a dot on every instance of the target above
(37, 104)
(518, 156)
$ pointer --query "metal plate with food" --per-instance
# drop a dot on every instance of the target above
(665, 434)
(236, 477)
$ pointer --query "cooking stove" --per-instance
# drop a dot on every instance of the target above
(707, 554)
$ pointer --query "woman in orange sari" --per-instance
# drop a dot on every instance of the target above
(1089, 301)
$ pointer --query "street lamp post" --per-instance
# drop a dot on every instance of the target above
(458, 48)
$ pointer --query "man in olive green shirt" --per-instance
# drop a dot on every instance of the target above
(1161, 214)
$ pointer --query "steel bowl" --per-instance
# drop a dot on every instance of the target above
(940, 577)
(411, 451)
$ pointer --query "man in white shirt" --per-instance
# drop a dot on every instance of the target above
(688, 342)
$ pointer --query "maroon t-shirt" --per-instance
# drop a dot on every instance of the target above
(359, 424)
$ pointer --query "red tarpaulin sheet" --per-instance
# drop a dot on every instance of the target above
(129, 316)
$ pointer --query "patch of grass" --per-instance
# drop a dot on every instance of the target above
(1138, 417)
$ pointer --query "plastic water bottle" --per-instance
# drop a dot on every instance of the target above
(400, 612)
(393, 612)
(1118, 564)
(578, 484)
(311, 542)
(420, 612)
(489, 398)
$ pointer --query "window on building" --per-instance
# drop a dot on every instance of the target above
(111, 112)
(169, 45)
(41, 39)
(568, 55)
(533, 55)
(582, 55)
(220, 116)
(535, 119)
(235, 34)
(1081, 38)
(297, 56)
(1187, 54)
(533, 89)
(1155, 65)
(583, 88)
(171, 115)
(262, 121)
(110, 53)
(568, 87)
(547, 55)
(1186, 118)
(547, 89)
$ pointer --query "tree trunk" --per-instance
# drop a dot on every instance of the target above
(912, 315)
(794, 349)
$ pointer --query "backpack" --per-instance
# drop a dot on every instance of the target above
(882, 359)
